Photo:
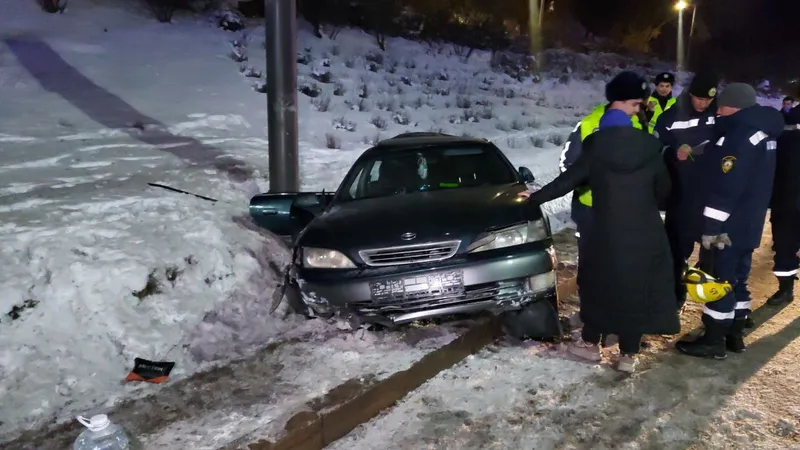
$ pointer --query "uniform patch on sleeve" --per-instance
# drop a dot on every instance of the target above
(727, 163)
(772, 145)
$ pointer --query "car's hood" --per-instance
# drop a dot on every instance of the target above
(431, 216)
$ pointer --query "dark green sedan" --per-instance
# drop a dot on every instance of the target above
(423, 226)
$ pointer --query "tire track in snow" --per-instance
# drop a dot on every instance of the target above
(59, 77)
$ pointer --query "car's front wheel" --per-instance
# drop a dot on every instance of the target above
(294, 297)
(537, 320)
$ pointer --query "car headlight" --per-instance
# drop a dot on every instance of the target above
(535, 230)
(323, 258)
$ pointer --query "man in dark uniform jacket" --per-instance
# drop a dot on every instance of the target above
(785, 215)
(686, 129)
(735, 209)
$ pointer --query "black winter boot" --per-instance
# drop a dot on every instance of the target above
(785, 292)
(710, 345)
(734, 340)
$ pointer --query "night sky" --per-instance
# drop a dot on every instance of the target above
(744, 40)
(746, 33)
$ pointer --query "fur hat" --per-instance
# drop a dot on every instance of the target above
(704, 85)
(664, 77)
(626, 86)
(737, 95)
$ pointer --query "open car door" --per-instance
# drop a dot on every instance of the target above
(287, 214)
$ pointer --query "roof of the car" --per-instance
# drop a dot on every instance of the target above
(424, 139)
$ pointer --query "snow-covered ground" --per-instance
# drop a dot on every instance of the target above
(508, 397)
(98, 267)
(500, 398)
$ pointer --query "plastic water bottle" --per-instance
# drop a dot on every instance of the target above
(101, 434)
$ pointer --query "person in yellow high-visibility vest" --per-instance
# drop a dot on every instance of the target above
(661, 100)
(626, 91)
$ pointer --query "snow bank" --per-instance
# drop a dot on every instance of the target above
(117, 276)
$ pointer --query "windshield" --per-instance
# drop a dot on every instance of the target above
(428, 169)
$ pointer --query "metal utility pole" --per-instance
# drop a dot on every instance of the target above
(680, 53)
(691, 34)
(281, 45)
(535, 8)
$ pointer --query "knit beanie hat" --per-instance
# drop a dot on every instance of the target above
(664, 77)
(615, 118)
(704, 85)
(626, 86)
(737, 95)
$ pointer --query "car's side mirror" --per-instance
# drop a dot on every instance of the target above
(526, 175)
(308, 200)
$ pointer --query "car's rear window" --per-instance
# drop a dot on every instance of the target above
(430, 169)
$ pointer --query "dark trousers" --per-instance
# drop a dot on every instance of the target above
(682, 247)
(785, 241)
(629, 343)
(732, 265)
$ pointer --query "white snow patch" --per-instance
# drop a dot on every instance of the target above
(11, 138)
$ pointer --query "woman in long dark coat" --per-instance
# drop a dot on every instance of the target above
(626, 273)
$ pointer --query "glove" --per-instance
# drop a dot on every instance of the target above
(719, 241)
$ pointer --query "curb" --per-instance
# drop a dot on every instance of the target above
(333, 418)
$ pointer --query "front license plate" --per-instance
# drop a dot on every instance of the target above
(425, 285)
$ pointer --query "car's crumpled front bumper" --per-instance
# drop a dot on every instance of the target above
(497, 284)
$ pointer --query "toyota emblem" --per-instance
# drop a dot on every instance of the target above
(408, 236)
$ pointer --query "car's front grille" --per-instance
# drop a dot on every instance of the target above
(409, 254)
(511, 291)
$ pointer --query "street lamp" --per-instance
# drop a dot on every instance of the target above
(680, 6)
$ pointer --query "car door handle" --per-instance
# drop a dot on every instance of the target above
(268, 212)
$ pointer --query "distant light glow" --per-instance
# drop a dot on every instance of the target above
(681, 5)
